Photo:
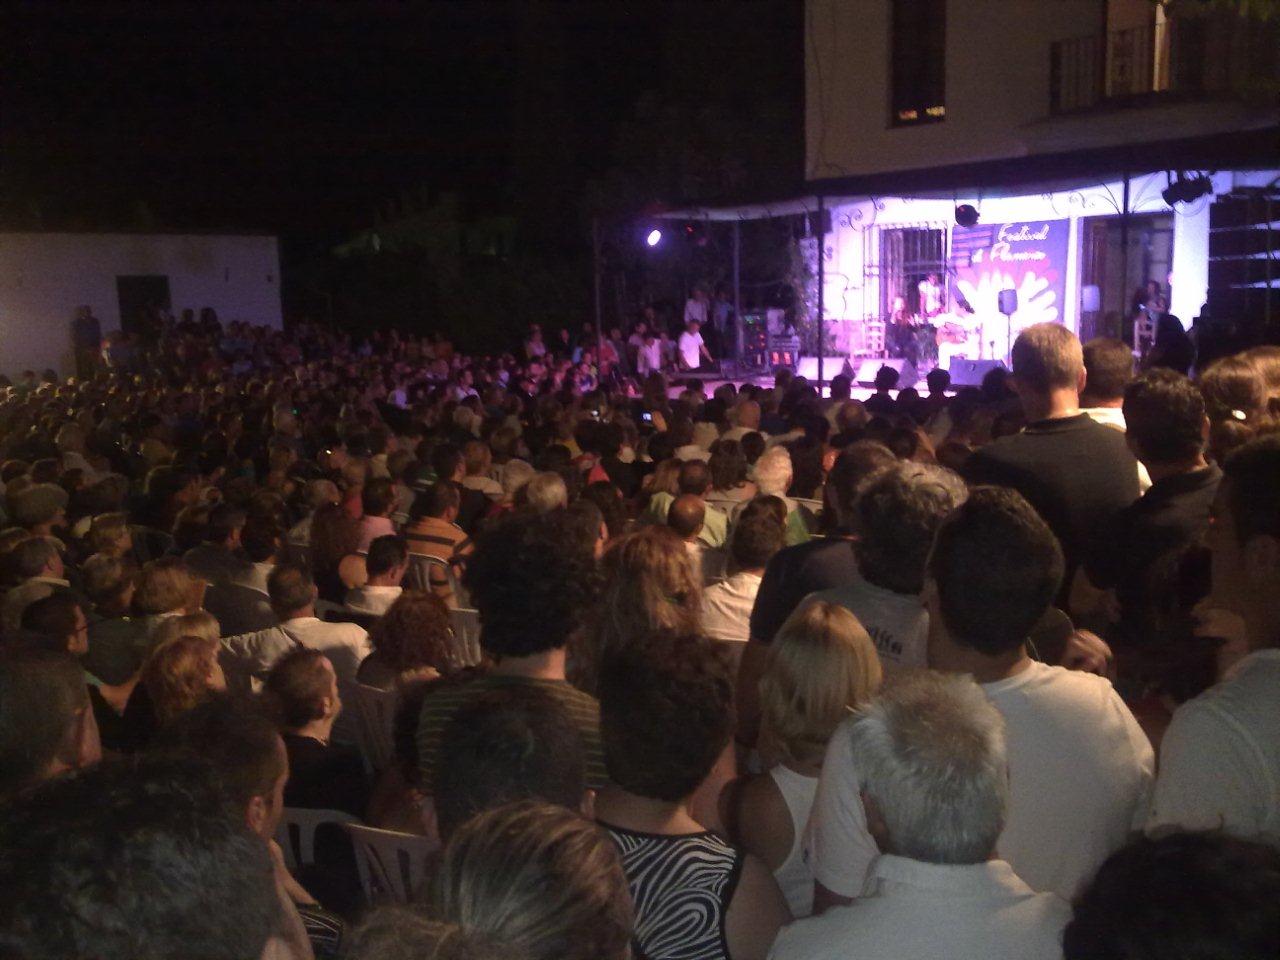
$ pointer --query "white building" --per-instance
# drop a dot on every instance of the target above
(44, 277)
(1060, 122)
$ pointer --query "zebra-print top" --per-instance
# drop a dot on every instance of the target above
(681, 887)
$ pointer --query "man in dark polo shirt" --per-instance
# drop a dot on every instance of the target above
(1077, 473)
(1167, 429)
(533, 587)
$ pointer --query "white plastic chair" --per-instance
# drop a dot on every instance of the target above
(302, 823)
(418, 576)
(392, 865)
(466, 635)
(375, 720)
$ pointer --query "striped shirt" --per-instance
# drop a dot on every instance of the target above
(434, 537)
(441, 703)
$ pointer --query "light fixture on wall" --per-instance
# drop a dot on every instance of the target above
(1184, 189)
(967, 215)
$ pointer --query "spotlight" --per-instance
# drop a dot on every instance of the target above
(1186, 189)
(653, 237)
(967, 215)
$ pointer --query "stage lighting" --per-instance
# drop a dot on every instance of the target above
(1186, 189)
(967, 215)
(653, 237)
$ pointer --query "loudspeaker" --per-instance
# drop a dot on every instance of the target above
(969, 373)
(908, 376)
(808, 368)
(1008, 301)
(966, 215)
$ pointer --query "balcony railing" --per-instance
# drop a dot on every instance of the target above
(1175, 58)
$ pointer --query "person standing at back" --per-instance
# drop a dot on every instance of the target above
(1076, 472)
(1080, 767)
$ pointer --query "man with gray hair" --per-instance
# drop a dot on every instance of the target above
(772, 475)
(896, 512)
(545, 492)
(930, 755)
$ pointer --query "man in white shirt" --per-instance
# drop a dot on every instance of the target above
(1220, 758)
(895, 515)
(726, 606)
(935, 806)
(386, 565)
(1080, 767)
(649, 354)
(691, 348)
(250, 656)
(1108, 369)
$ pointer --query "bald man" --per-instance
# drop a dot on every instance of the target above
(686, 518)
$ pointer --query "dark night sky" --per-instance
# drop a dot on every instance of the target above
(301, 117)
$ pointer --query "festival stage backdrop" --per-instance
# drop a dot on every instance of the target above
(1030, 257)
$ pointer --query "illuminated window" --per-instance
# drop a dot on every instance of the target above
(918, 62)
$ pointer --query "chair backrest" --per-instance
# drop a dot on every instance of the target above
(297, 833)
(392, 865)
(813, 506)
(724, 505)
(375, 721)
(466, 635)
(418, 576)
(366, 620)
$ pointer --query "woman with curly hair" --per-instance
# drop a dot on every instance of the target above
(729, 469)
(182, 673)
(411, 641)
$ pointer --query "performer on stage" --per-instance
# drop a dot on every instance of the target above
(904, 333)
(932, 296)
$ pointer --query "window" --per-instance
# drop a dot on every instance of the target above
(918, 62)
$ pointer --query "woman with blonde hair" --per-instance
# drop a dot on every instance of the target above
(538, 879)
(820, 668)
(109, 535)
(202, 624)
(166, 588)
(180, 674)
(650, 584)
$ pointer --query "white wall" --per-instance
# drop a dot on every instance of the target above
(997, 90)
(45, 276)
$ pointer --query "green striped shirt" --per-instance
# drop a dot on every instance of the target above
(439, 706)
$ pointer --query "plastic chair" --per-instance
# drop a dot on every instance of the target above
(813, 506)
(466, 635)
(375, 721)
(392, 865)
(302, 822)
(418, 576)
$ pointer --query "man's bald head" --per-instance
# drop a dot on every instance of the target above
(747, 415)
(686, 516)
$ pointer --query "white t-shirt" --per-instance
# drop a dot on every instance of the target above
(897, 622)
(690, 349)
(1220, 757)
(979, 911)
(726, 607)
(649, 357)
(1080, 776)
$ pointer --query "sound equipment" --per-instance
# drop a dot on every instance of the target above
(783, 352)
(1008, 301)
(755, 338)
(969, 373)
(967, 215)
(908, 376)
(808, 368)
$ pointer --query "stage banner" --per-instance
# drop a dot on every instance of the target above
(1029, 257)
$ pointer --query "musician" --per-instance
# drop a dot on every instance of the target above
(932, 296)
(902, 332)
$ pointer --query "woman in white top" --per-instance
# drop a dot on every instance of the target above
(821, 666)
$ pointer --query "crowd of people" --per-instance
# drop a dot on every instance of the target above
(983, 673)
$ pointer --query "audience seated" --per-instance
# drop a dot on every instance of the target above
(302, 691)
(533, 591)
(666, 715)
(822, 665)
(47, 725)
(935, 805)
(386, 566)
(412, 641)
(138, 859)
(510, 744)
(538, 879)
(315, 477)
